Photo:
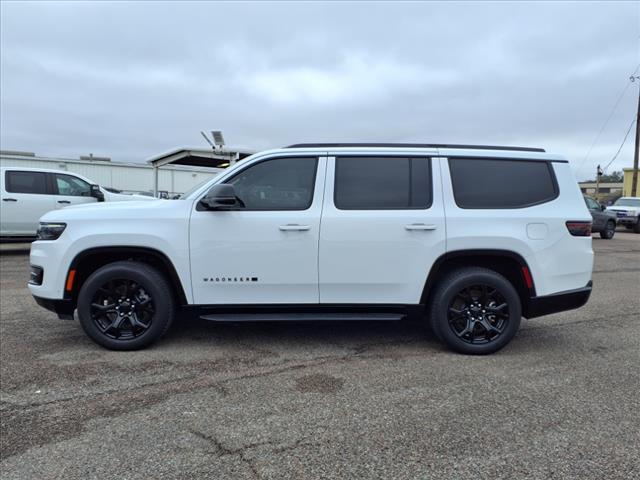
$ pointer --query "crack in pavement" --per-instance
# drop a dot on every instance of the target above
(221, 450)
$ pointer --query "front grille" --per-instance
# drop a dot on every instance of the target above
(36, 275)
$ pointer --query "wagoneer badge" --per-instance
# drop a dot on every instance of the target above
(230, 279)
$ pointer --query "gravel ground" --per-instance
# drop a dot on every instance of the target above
(362, 400)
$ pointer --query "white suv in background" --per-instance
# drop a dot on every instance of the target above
(28, 193)
(469, 238)
(627, 210)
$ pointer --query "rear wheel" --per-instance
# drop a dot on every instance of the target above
(126, 305)
(636, 227)
(475, 311)
(609, 230)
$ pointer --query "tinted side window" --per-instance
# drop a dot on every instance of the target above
(382, 183)
(278, 184)
(591, 204)
(26, 182)
(491, 183)
(70, 185)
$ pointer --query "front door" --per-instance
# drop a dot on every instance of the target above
(25, 198)
(383, 227)
(598, 217)
(267, 251)
(71, 190)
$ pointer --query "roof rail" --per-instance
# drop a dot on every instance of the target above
(415, 145)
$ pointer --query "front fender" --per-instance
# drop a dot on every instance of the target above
(56, 257)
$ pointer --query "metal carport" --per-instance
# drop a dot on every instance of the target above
(197, 157)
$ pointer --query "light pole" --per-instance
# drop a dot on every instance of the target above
(634, 178)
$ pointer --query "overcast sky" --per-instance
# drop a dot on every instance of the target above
(131, 80)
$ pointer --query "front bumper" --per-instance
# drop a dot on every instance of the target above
(64, 308)
(558, 302)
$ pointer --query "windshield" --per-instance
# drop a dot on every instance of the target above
(193, 189)
(627, 202)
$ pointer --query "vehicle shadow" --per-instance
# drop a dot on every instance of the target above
(14, 251)
(348, 334)
(287, 337)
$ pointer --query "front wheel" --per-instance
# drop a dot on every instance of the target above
(609, 230)
(126, 305)
(636, 227)
(475, 311)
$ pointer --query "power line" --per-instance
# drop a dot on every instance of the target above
(621, 145)
(606, 122)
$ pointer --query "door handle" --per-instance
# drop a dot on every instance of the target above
(420, 226)
(64, 201)
(9, 200)
(291, 227)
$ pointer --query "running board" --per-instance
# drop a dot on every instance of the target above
(289, 317)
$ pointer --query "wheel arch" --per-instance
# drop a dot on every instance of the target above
(89, 260)
(507, 263)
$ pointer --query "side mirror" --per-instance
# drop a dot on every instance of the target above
(603, 207)
(97, 193)
(221, 197)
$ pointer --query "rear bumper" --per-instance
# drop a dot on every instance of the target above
(558, 302)
(64, 308)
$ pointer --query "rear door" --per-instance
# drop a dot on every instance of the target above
(25, 198)
(382, 228)
(71, 190)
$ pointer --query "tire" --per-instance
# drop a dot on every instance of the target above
(636, 227)
(126, 305)
(460, 297)
(609, 230)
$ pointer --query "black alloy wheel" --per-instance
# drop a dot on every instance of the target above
(126, 305)
(122, 309)
(475, 310)
(478, 314)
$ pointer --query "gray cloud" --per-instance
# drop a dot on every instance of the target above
(131, 80)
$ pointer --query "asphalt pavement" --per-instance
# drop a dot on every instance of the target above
(332, 400)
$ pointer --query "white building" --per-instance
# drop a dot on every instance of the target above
(180, 169)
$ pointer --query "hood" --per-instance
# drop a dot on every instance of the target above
(131, 210)
(122, 197)
(101, 206)
(623, 208)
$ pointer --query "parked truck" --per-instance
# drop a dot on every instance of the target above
(28, 193)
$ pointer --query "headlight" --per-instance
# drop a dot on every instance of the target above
(50, 231)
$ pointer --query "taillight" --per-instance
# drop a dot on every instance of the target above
(579, 229)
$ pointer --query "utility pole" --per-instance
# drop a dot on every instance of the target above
(598, 175)
(634, 178)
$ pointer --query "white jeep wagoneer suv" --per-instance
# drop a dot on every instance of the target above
(469, 238)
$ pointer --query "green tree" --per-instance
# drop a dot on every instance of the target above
(613, 177)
